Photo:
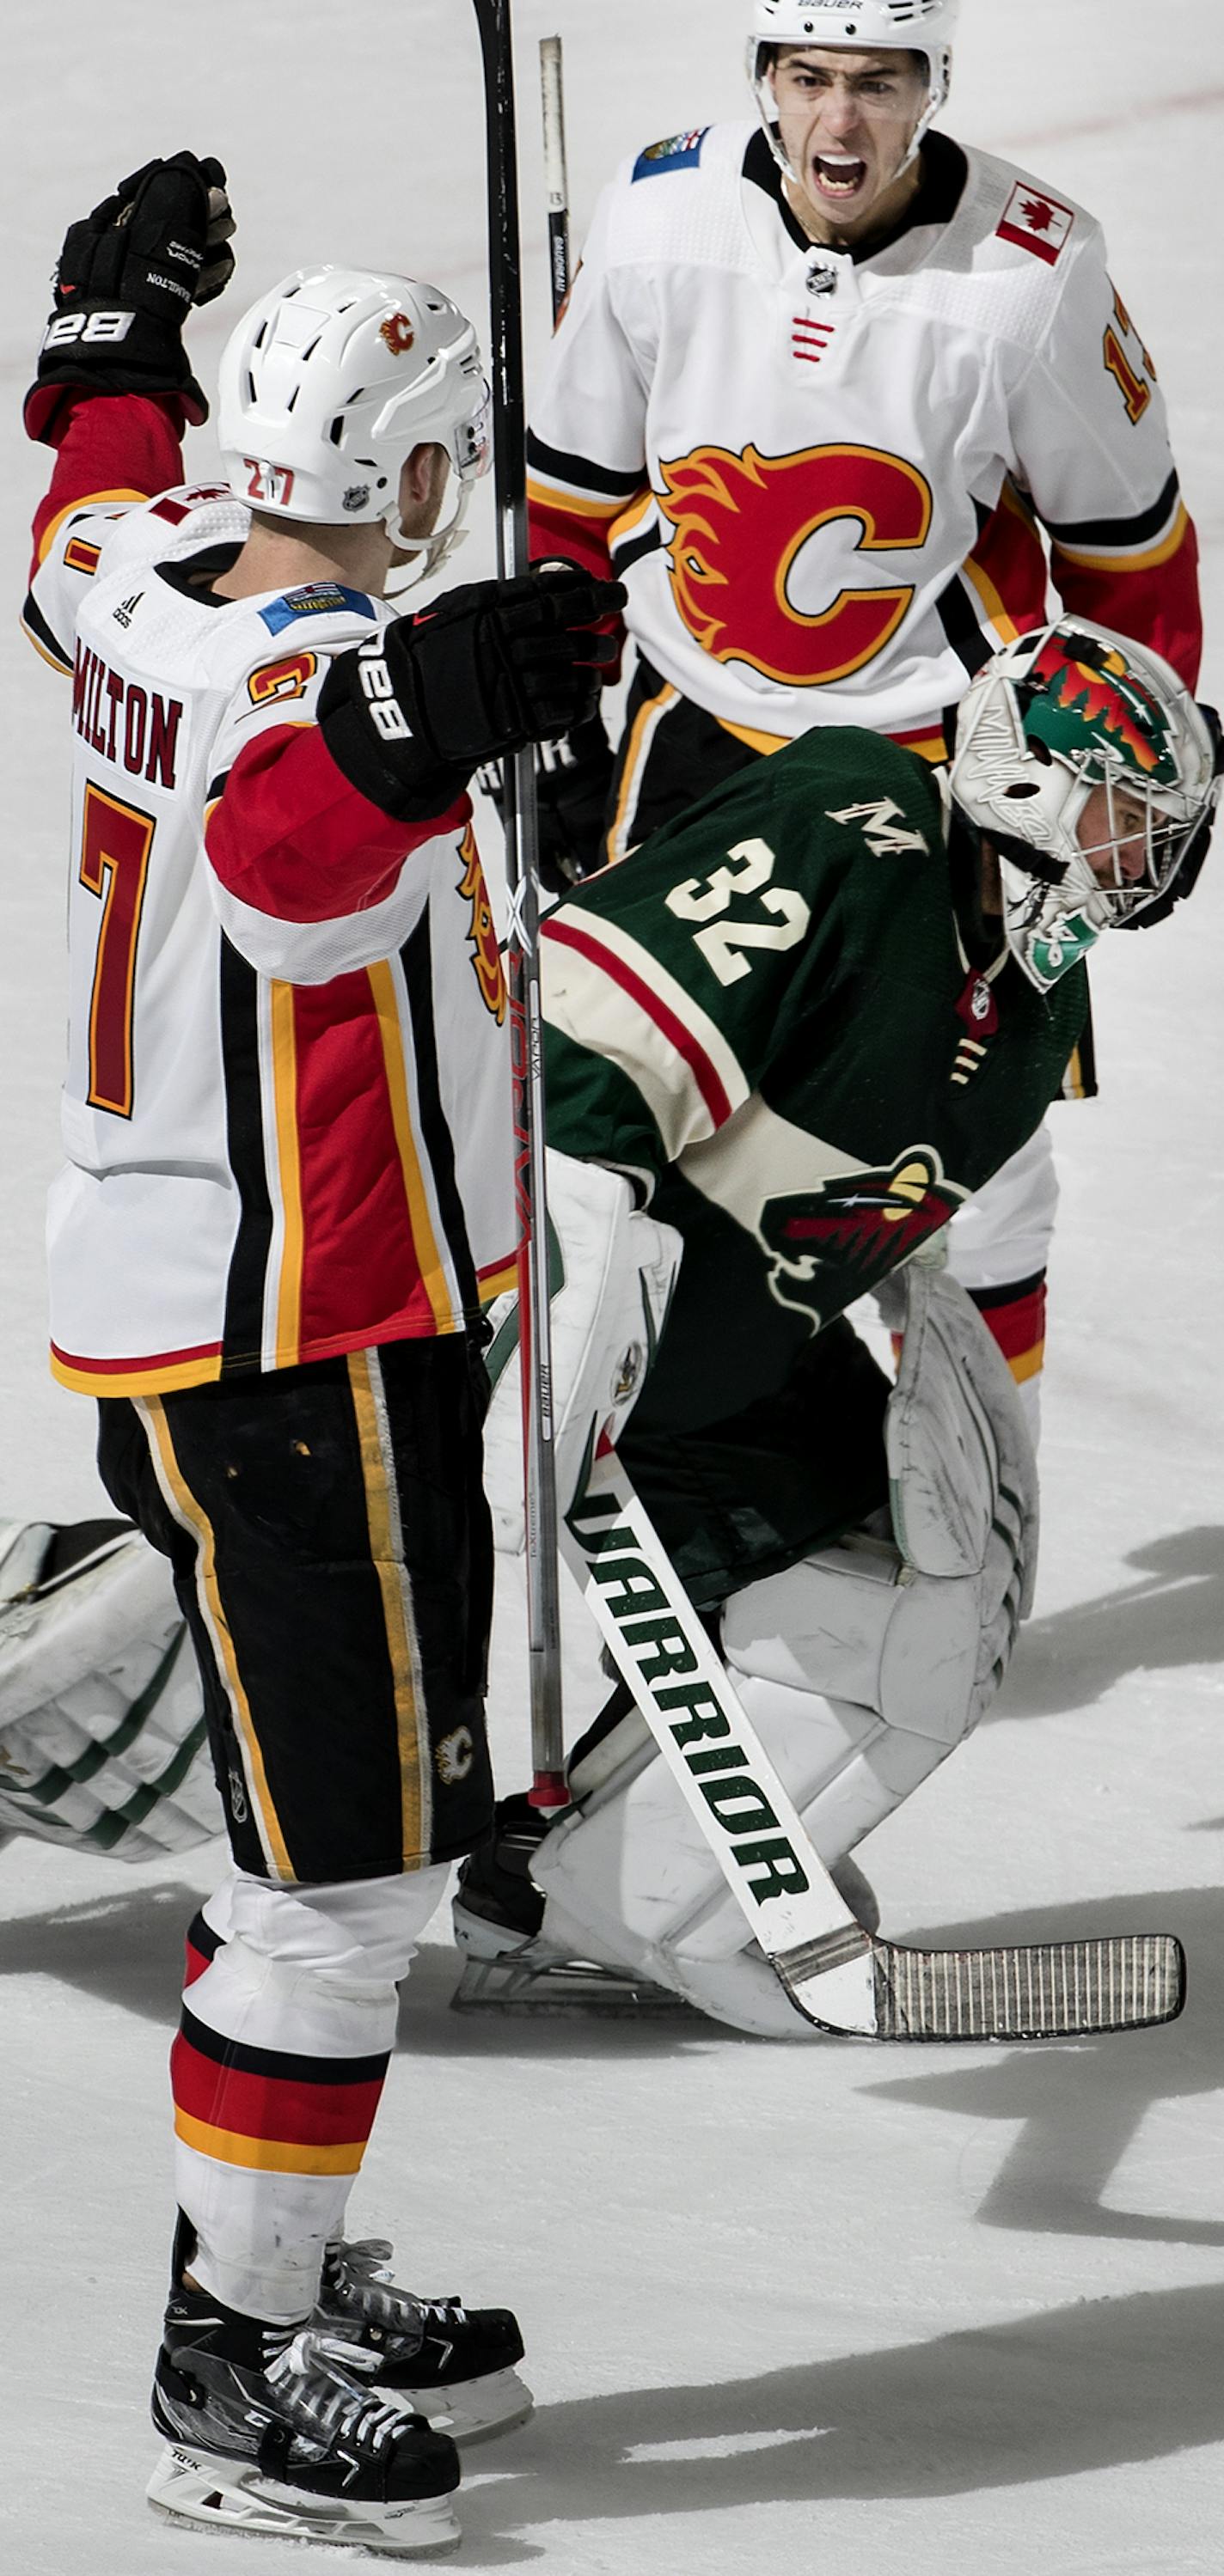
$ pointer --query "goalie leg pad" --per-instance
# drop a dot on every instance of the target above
(860, 1668)
(614, 1272)
(103, 1744)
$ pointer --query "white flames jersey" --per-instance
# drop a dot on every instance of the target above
(286, 1112)
(821, 478)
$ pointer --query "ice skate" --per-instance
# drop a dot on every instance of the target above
(509, 1963)
(452, 2364)
(280, 2431)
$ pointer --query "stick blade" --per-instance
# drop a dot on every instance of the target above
(1046, 1990)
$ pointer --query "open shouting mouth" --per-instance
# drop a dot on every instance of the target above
(838, 174)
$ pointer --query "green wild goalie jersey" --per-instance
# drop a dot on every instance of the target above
(769, 1019)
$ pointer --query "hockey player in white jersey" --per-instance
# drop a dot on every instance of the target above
(838, 397)
(286, 1188)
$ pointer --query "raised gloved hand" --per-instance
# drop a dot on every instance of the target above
(127, 278)
(482, 672)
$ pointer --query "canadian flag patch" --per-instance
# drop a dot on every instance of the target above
(1038, 222)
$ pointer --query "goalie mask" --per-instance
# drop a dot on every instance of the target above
(327, 385)
(1055, 716)
(924, 27)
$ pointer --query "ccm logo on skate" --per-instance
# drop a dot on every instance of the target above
(668, 1666)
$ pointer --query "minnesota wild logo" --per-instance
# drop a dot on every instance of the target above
(831, 1243)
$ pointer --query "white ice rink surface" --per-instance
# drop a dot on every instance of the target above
(805, 2308)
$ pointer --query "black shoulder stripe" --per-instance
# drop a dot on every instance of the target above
(1116, 532)
(581, 470)
(961, 622)
(216, 786)
(632, 548)
(40, 633)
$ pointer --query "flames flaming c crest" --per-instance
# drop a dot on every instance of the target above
(741, 520)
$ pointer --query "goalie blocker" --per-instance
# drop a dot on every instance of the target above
(861, 1666)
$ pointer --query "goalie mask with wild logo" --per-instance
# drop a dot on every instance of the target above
(1057, 715)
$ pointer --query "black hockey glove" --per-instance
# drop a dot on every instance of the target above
(127, 278)
(572, 781)
(481, 672)
(1196, 849)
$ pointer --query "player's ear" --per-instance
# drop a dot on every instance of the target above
(418, 474)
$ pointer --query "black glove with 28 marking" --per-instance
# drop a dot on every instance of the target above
(127, 278)
(482, 672)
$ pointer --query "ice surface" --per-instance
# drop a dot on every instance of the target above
(815, 2307)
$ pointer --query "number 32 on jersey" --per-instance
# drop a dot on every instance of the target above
(749, 869)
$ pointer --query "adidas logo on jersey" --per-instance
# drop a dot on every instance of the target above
(127, 608)
(880, 833)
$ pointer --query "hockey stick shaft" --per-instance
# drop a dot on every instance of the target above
(522, 958)
(839, 1977)
(556, 180)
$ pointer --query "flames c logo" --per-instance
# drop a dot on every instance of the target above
(398, 333)
(741, 523)
(486, 955)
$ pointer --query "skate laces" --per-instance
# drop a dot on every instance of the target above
(357, 2281)
(312, 2377)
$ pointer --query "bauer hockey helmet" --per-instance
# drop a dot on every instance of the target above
(1058, 713)
(911, 26)
(327, 385)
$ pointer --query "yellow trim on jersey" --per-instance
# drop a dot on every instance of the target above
(433, 1276)
(386, 1548)
(550, 498)
(494, 1283)
(649, 708)
(195, 1518)
(632, 516)
(87, 501)
(1148, 562)
(284, 1089)
(1073, 1084)
(266, 2155)
(1003, 625)
(51, 659)
(763, 742)
(166, 1380)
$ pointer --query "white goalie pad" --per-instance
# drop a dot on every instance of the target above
(861, 1668)
(612, 1269)
(103, 1744)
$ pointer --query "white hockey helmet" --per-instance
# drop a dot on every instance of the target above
(909, 26)
(327, 385)
(1062, 711)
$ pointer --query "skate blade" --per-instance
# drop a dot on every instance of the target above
(195, 2486)
(470, 2410)
(513, 1984)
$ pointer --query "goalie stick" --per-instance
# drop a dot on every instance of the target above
(843, 1979)
(549, 1788)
